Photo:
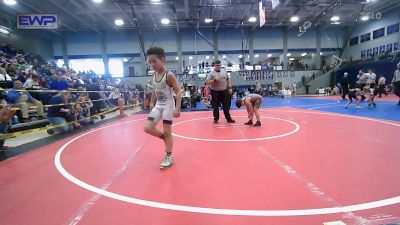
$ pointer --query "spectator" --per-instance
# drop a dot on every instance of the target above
(86, 104)
(382, 86)
(59, 83)
(95, 96)
(371, 80)
(32, 82)
(396, 82)
(5, 79)
(362, 79)
(5, 117)
(148, 93)
(22, 77)
(307, 88)
(59, 114)
(114, 95)
(258, 87)
(11, 70)
(77, 111)
(42, 83)
(22, 99)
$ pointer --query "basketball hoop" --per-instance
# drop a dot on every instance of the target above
(336, 61)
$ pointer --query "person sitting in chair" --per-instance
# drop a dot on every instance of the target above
(22, 99)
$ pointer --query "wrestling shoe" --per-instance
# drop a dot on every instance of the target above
(168, 161)
(250, 122)
(257, 124)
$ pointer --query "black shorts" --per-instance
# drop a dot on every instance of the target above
(352, 95)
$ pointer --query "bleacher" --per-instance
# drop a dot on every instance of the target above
(20, 66)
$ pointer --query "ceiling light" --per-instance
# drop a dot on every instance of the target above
(10, 2)
(165, 21)
(240, 56)
(303, 54)
(224, 56)
(207, 57)
(119, 22)
(257, 55)
(335, 18)
(252, 19)
(365, 18)
(125, 60)
(208, 20)
(291, 59)
(269, 55)
(336, 23)
(177, 58)
(97, 1)
(289, 54)
(155, 0)
(190, 57)
(321, 53)
(4, 31)
(294, 19)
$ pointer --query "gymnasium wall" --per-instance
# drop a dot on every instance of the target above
(267, 40)
(125, 43)
(388, 18)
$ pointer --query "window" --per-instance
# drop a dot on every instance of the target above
(379, 33)
(83, 65)
(365, 37)
(116, 67)
(393, 28)
(60, 63)
(354, 41)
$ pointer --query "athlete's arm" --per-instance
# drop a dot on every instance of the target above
(153, 99)
(249, 106)
(171, 80)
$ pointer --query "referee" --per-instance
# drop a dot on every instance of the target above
(396, 82)
(221, 91)
(345, 85)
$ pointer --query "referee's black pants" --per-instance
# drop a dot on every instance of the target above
(345, 92)
(218, 98)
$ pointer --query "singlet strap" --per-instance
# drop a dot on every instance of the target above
(166, 78)
(155, 76)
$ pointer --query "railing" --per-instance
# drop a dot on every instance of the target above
(311, 78)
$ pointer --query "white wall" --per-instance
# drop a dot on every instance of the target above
(388, 18)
